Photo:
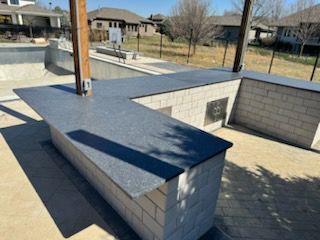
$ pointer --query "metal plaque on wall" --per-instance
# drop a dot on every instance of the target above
(166, 110)
(216, 111)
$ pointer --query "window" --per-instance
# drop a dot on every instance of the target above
(135, 28)
(287, 33)
(99, 25)
(294, 33)
(146, 28)
(4, 19)
(14, 2)
(115, 24)
(110, 24)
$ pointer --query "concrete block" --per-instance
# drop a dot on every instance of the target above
(311, 103)
(152, 225)
(160, 216)
(147, 205)
(158, 198)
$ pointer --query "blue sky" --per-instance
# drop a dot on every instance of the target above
(142, 7)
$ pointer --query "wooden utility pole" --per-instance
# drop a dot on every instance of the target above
(80, 38)
(243, 36)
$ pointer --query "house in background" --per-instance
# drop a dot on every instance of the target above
(158, 20)
(27, 13)
(130, 23)
(230, 28)
(289, 26)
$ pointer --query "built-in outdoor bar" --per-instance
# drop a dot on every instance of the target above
(145, 148)
(146, 144)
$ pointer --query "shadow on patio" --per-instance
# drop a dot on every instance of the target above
(70, 200)
(263, 205)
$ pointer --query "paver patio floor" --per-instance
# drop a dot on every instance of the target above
(269, 190)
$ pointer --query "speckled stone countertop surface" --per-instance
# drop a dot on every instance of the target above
(138, 148)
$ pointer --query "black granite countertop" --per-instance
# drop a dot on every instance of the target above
(138, 148)
(276, 79)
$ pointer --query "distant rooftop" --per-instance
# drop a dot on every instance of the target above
(235, 21)
(29, 9)
(117, 14)
(157, 17)
(309, 15)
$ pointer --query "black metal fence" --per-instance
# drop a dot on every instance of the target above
(278, 50)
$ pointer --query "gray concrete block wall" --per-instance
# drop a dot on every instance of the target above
(182, 208)
(287, 113)
(189, 105)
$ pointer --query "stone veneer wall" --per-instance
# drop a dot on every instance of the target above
(287, 113)
(189, 105)
(182, 208)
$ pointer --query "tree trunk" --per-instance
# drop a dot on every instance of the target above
(301, 50)
(194, 49)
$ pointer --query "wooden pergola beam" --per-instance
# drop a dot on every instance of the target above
(80, 43)
(243, 35)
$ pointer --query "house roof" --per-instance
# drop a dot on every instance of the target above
(309, 15)
(231, 21)
(157, 17)
(117, 14)
(30, 9)
(6, 8)
(235, 21)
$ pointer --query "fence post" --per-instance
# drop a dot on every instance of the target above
(138, 36)
(190, 41)
(271, 62)
(225, 52)
(315, 66)
(160, 45)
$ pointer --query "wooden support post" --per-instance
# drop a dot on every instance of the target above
(80, 37)
(243, 36)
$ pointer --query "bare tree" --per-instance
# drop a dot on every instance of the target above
(277, 9)
(307, 21)
(195, 15)
(261, 8)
